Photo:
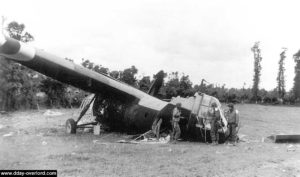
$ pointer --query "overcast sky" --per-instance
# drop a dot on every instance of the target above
(203, 39)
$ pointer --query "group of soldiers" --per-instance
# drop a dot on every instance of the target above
(216, 123)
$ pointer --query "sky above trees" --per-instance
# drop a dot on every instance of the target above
(204, 39)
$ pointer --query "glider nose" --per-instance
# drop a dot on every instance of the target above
(15, 49)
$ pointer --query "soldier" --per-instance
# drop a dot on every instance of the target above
(233, 123)
(175, 122)
(215, 119)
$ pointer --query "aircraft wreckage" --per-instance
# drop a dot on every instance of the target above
(123, 107)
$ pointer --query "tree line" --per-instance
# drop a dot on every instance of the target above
(23, 88)
(278, 94)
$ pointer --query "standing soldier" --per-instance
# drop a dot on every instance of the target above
(175, 122)
(215, 119)
(233, 123)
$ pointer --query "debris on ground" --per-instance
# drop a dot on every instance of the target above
(8, 134)
(162, 140)
(1, 126)
(95, 141)
(147, 138)
(291, 148)
(293, 138)
(99, 142)
(44, 143)
(242, 138)
(52, 113)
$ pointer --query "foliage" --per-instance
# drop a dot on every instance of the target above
(172, 86)
(280, 77)
(16, 31)
(128, 76)
(145, 83)
(257, 68)
(185, 86)
(19, 83)
(176, 86)
(296, 88)
(55, 91)
(90, 65)
(115, 74)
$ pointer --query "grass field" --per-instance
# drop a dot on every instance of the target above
(30, 140)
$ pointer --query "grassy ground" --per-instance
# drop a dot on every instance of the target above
(40, 142)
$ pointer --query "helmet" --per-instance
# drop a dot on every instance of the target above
(178, 105)
(231, 105)
(214, 104)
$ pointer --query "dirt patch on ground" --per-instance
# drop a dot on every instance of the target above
(32, 140)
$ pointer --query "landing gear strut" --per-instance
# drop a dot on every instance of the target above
(72, 125)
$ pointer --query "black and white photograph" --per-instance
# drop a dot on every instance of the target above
(150, 88)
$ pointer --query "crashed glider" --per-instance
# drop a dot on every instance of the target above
(122, 106)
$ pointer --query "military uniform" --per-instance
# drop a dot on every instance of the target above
(175, 121)
(233, 121)
(215, 124)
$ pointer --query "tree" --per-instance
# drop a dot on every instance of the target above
(55, 91)
(176, 86)
(257, 68)
(100, 69)
(18, 82)
(172, 85)
(296, 88)
(115, 74)
(97, 68)
(128, 76)
(16, 31)
(280, 77)
(145, 83)
(185, 86)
